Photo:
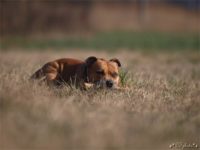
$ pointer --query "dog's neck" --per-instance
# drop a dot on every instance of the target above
(85, 73)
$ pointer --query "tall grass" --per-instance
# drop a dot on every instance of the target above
(160, 108)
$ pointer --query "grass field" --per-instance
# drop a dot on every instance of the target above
(160, 109)
(143, 41)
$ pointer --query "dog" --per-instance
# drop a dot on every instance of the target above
(93, 72)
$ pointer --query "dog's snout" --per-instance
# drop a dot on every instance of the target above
(109, 83)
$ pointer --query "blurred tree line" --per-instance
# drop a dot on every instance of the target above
(30, 16)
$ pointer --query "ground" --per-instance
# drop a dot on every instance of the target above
(159, 111)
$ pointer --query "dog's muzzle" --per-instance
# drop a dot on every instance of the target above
(105, 84)
(109, 83)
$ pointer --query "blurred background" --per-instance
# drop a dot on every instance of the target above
(96, 24)
(158, 44)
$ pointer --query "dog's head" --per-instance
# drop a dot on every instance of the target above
(103, 73)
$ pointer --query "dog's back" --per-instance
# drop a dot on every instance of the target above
(61, 70)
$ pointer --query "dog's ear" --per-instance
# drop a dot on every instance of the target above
(90, 60)
(116, 61)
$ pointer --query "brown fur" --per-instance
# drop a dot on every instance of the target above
(93, 71)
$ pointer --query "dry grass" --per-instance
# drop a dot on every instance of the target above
(161, 107)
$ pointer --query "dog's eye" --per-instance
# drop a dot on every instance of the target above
(115, 74)
(101, 72)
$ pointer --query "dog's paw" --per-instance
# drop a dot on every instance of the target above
(88, 86)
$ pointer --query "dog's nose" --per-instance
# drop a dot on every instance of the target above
(109, 83)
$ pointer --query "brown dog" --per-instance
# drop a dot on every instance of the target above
(93, 71)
